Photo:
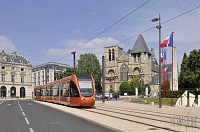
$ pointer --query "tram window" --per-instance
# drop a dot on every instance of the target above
(74, 90)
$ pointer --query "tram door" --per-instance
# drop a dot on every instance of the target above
(3, 91)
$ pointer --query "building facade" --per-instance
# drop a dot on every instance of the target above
(122, 66)
(15, 76)
(47, 72)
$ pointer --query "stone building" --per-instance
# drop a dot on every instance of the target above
(47, 72)
(123, 66)
(15, 76)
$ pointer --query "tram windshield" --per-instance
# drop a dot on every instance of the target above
(86, 87)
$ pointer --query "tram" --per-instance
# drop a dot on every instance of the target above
(74, 90)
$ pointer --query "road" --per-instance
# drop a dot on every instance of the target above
(26, 115)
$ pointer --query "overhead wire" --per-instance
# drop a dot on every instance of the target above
(109, 27)
(153, 27)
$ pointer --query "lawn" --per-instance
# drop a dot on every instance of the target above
(164, 101)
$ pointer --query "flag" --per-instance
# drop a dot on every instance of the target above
(167, 42)
(162, 55)
(140, 80)
(165, 58)
(165, 70)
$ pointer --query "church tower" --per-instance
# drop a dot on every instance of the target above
(140, 60)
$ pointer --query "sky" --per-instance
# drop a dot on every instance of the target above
(49, 30)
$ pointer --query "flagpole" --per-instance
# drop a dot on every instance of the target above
(172, 70)
(164, 74)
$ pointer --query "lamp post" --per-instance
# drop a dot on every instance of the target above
(74, 60)
(159, 27)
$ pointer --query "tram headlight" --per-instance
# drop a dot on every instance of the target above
(81, 98)
(94, 98)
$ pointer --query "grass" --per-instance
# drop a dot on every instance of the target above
(164, 101)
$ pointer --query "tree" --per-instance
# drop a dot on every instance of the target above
(67, 72)
(89, 64)
(184, 56)
(190, 70)
(135, 83)
(124, 87)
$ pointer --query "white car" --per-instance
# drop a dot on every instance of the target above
(107, 95)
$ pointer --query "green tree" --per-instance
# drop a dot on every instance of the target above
(68, 72)
(124, 87)
(190, 70)
(135, 83)
(89, 64)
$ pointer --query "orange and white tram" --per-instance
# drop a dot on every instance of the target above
(74, 90)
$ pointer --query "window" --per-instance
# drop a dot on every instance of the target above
(3, 67)
(74, 90)
(21, 61)
(22, 69)
(109, 55)
(139, 58)
(12, 78)
(124, 73)
(3, 77)
(134, 58)
(113, 54)
(22, 79)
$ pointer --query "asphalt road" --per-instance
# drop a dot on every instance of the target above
(29, 116)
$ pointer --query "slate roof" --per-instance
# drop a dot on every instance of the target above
(14, 58)
(124, 56)
(140, 46)
(129, 51)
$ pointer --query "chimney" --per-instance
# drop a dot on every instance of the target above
(14, 53)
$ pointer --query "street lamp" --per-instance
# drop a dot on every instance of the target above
(159, 27)
(74, 60)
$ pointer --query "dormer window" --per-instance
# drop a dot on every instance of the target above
(12, 60)
(21, 61)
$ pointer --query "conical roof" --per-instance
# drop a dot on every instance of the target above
(140, 46)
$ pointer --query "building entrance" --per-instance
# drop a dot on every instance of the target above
(22, 92)
(3, 91)
(12, 92)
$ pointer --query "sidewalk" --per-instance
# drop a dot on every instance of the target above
(130, 117)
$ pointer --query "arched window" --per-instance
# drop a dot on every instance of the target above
(136, 71)
(124, 73)
(109, 55)
(113, 54)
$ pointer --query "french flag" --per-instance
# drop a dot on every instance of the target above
(163, 55)
(168, 42)
(165, 70)
(140, 80)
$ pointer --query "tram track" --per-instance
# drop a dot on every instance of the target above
(145, 118)
(126, 108)
(131, 110)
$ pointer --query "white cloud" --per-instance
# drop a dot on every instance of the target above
(56, 53)
(6, 44)
(96, 46)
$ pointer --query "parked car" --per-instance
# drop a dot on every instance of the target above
(141, 96)
(109, 95)
(98, 96)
